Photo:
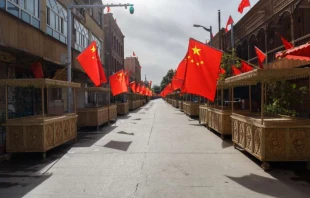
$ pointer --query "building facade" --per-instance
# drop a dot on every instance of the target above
(36, 30)
(262, 24)
(132, 65)
(114, 45)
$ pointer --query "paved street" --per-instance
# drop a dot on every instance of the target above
(155, 151)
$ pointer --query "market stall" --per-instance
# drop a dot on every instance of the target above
(49, 126)
(271, 137)
(93, 113)
(122, 103)
(191, 106)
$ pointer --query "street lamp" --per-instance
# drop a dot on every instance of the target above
(207, 29)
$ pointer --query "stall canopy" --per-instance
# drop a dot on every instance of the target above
(301, 52)
(265, 75)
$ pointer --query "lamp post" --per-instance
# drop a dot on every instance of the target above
(207, 29)
(69, 37)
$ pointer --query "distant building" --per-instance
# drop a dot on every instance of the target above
(133, 66)
(113, 44)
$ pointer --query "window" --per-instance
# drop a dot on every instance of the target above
(81, 36)
(27, 10)
(56, 19)
(99, 44)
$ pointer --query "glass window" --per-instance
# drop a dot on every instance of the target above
(2, 4)
(25, 16)
(35, 22)
(81, 36)
(30, 6)
(52, 19)
(56, 35)
(49, 31)
(13, 9)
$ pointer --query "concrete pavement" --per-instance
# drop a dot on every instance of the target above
(156, 151)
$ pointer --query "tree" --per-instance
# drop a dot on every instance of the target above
(156, 89)
(167, 79)
(228, 60)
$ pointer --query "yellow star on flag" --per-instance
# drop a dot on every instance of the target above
(196, 50)
(93, 49)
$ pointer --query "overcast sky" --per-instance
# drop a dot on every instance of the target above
(159, 30)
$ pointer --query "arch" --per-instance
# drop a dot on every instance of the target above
(261, 39)
(245, 47)
(301, 17)
(252, 43)
(239, 51)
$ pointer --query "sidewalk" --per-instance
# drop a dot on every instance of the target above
(156, 151)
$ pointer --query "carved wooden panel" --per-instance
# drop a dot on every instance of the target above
(49, 136)
(279, 5)
(299, 143)
(58, 133)
(66, 129)
(275, 144)
(257, 140)
(249, 137)
(241, 133)
(15, 138)
(235, 130)
(34, 137)
(73, 131)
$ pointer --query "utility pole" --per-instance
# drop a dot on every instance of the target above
(69, 38)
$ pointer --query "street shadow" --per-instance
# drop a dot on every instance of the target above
(198, 125)
(16, 186)
(226, 143)
(137, 119)
(123, 117)
(125, 133)
(118, 145)
(87, 139)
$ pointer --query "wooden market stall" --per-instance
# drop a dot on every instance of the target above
(270, 137)
(217, 115)
(122, 103)
(134, 101)
(48, 128)
(191, 108)
(93, 114)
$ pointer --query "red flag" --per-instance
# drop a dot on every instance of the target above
(118, 83)
(168, 89)
(132, 86)
(142, 89)
(133, 54)
(178, 79)
(235, 71)
(245, 67)
(286, 44)
(221, 72)
(37, 69)
(108, 9)
(203, 64)
(90, 61)
(138, 88)
(261, 57)
(229, 22)
(243, 4)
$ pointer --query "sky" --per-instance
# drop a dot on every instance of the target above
(159, 30)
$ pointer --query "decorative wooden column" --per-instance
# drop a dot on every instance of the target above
(266, 46)
(292, 29)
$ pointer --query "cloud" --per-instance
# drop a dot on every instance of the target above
(159, 30)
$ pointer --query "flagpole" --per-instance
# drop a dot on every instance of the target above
(232, 37)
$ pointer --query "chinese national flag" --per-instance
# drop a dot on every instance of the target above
(221, 72)
(178, 78)
(132, 86)
(142, 89)
(261, 57)
(37, 70)
(235, 71)
(243, 4)
(138, 88)
(203, 64)
(286, 44)
(118, 83)
(229, 22)
(90, 61)
(245, 67)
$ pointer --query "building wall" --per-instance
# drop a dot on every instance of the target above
(114, 45)
(132, 64)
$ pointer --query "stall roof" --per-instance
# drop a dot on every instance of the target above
(264, 75)
(38, 83)
(221, 84)
(301, 52)
(97, 89)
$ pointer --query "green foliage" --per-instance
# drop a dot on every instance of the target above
(156, 89)
(284, 97)
(229, 59)
(167, 79)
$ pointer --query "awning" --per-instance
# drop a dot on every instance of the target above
(301, 52)
(264, 75)
(38, 83)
